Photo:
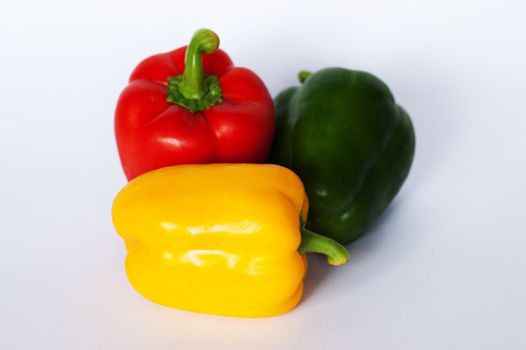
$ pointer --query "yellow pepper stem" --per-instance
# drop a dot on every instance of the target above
(314, 243)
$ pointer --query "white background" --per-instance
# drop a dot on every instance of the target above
(443, 269)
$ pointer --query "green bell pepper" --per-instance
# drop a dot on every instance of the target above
(350, 143)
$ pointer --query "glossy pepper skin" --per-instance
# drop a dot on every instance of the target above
(192, 105)
(351, 144)
(219, 238)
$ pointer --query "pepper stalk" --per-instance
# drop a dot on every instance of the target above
(193, 89)
(312, 242)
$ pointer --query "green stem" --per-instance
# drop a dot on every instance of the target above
(193, 85)
(303, 75)
(193, 89)
(314, 243)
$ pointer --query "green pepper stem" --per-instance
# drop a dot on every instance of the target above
(314, 243)
(303, 75)
(193, 85)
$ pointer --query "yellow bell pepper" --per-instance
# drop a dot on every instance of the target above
(219, 238)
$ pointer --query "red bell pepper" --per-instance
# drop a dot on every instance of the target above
(191, 105)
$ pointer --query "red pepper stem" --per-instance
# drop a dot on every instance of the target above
(314, 243)
(193, 89)
(193, 84)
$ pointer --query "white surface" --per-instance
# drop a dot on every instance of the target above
(444, 268)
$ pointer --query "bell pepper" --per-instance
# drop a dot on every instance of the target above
(219, 238)
(351, 144)
(191, 105)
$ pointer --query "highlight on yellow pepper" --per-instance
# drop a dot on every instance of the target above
(222, 239)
